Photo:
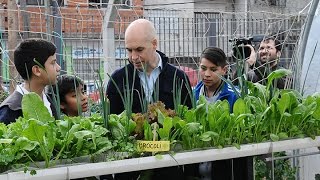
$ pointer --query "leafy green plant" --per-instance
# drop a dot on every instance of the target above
(38, 137)
(104, 102)
(38, 128)
(261, 115)
(126, 97)
(191, 135)
(240, 71)
(82, 136)
(3, 95)
(178, 100)
(282, 169)
(177, 89)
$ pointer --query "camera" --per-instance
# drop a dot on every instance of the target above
(240, 51)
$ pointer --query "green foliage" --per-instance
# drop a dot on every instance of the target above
(104, 105)
(164, 132)
(282, 169)
(126, 96)
(3, 95)
(261, 115)
(178, 100)
(39, 133)
(32, 140)
(117, 124)
(31, 108)
(257, 117)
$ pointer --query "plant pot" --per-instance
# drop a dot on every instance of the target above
(135, 164)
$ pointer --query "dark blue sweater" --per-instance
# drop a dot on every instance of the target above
(165, 81)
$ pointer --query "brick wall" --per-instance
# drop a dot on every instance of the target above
(76, 17)
(124, 19)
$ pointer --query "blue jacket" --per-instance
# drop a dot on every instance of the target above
(226, 93)
(165, 82)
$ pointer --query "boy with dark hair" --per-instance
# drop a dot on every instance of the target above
(213, 65)
(73, 100)
(35, 61)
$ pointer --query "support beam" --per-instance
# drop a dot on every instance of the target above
(12, 40)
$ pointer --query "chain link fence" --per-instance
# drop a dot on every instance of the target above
(181, 38)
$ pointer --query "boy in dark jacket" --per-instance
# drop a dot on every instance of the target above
(35, 61)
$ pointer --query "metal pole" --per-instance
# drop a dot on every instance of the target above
(47, 18)
(291, 156)
(12, 40)
(26, 18)
(246, 19)
(108, 40)
(57, 33)
(303, 44)
(1, 53)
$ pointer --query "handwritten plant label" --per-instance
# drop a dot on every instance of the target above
(153, 146)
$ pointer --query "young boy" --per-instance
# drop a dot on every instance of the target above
(35, 61)
(73, 100)
(213, 65)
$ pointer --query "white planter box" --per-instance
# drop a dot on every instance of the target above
(151, 162)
